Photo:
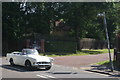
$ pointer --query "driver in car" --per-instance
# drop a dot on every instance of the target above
(23, 52)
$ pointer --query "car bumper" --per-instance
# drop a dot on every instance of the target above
(42, 65)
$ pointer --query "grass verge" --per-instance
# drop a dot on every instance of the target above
(94, 51)
(102, 62)
(78, 53)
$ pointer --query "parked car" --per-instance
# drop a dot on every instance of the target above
(30, 58)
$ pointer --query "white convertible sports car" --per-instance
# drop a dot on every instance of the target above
(30, 58)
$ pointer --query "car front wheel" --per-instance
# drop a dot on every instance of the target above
(48, 68)
(28, 65)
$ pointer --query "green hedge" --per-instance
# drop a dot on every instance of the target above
(60, 46)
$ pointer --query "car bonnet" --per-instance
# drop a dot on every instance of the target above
(40, 58)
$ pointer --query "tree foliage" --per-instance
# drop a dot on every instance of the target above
(21, 18)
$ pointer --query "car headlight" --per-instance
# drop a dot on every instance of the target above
(34, 61)
(51, 59)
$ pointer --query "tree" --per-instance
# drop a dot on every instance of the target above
(22, 18)
(12, 19)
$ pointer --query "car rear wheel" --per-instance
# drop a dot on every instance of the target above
(11, 62)
(28, 65)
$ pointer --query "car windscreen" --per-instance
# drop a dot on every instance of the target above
(31, 51)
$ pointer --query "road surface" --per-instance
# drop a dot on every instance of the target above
(57, 71)
(80, 61)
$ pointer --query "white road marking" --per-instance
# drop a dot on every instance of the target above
(49, 76)
(45, 76)
(41, 76)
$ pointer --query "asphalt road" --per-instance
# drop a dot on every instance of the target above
(81, 61)
(57, 71)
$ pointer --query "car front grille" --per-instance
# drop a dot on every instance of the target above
(43, 62)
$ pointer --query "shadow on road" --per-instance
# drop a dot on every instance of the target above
(62, 72)
(20, 68)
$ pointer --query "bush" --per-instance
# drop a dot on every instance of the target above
(60, 46)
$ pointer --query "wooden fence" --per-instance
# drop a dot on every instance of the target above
(56, 44)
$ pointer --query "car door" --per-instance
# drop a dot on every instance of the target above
(15, 58)
(22, 59)
(18, 58)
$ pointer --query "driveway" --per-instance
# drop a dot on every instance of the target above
(80, 61)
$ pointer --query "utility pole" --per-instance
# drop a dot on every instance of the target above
(107, 36)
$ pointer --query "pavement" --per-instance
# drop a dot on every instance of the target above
(102, 70)
(86, 62)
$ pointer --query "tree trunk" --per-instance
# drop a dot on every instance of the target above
(78, 43)
(78, 38)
